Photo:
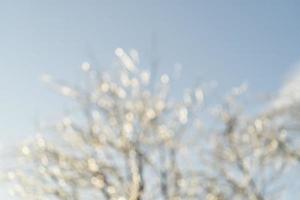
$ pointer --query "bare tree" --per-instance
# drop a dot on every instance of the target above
(129, 138)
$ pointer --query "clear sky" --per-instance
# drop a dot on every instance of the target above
(229, 41)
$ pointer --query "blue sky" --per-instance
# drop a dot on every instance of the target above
(229, 41)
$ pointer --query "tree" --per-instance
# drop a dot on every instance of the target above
(131, 139)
